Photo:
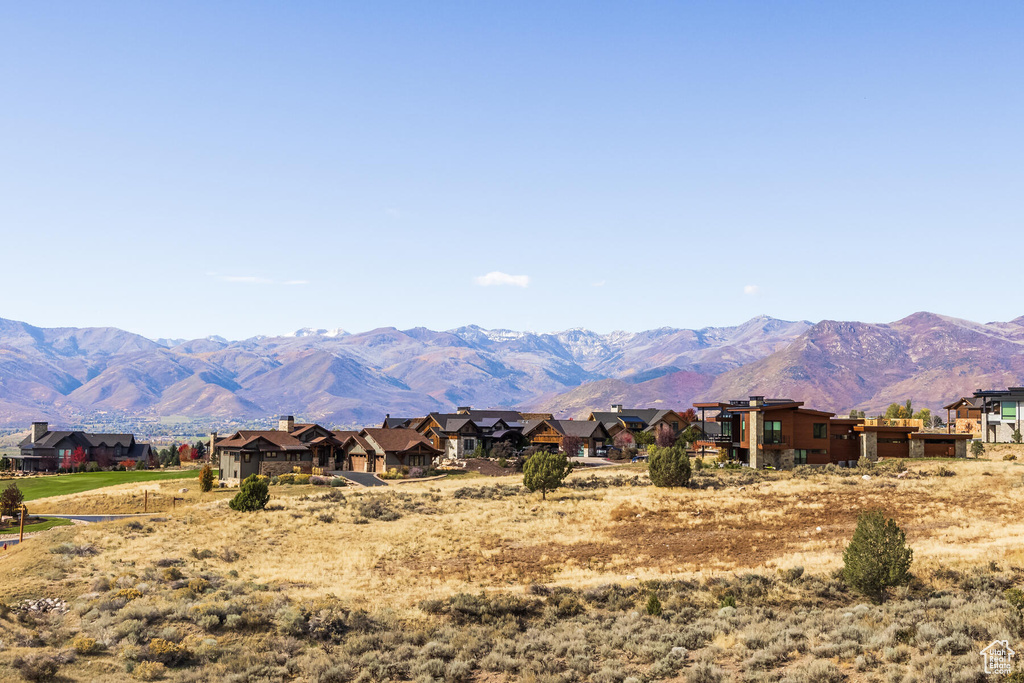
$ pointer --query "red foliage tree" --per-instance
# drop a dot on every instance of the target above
(689, 417)
(665, 436)
(186, 452)
(128, 464)
(79, 457)
(623, 439)
(102, 458)
(572, 446)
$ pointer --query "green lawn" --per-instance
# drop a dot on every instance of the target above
(63, 484)
(47, 523)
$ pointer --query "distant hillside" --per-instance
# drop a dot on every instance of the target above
(351, 379)
(68, 374)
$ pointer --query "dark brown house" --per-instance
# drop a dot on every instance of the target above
(46, 451)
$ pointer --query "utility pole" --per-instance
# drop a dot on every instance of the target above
(145, 501)
(21, 532)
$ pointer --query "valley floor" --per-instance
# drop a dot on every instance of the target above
(480, 580)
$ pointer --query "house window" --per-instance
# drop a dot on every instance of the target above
(271, 456)
(675, 425)
(820, 430)
(469, 444)
(1010, 411)
(247, 457)
(772, 431)
(417, 460)
(800, 457)
(727, 429)
(743, 429)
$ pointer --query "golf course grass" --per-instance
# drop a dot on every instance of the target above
(33, 488)
(47, 523)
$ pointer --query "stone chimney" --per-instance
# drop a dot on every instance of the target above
(286, 423)
(756, 401)
(463, 410)
(616, 407)
(39, 430)
(213, 442)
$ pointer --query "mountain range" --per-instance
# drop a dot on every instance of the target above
(338, 378)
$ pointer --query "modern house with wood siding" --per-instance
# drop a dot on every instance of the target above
(781, 433)
(1000, 413)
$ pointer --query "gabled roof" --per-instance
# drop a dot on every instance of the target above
(393, 422)
(964, 401)
(51, 439)
(586, 429)
(250, 439)
(629, 416)
(109, 440)
(395, 440)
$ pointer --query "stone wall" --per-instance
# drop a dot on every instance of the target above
(276, 468)
(916, 448)
(869, 446)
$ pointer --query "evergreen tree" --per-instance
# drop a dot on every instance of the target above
(545, 471)
(669, 466)
(206, 479)
(252, 495)
(877, 557)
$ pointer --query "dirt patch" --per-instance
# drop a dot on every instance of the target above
(488, 468)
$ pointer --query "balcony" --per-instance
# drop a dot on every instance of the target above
(775, 441)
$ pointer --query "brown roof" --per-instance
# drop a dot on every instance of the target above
(244, 438)
(343, 436)
(396, 439)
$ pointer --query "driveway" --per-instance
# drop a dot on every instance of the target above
(361, 478)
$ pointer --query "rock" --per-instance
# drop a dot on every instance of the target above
(630, 577)
(818, 529)
(678, 650)
(182, 490)
(866, 477)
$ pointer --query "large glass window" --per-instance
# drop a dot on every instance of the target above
(1009, 411)
(820, 430)
(800, 457)
(727, 429)
(772, 431)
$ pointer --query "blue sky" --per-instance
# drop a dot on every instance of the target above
(198, 168)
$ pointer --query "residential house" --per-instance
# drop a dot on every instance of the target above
(781, 433)
(458, 434)
(378, 449)
(550, 434)
(998, 412)
(963, 416)
(638, 419)
(273, 452)
(46, 451)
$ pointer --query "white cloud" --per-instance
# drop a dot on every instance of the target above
(498, 278)
(598, 284)
(751, 290)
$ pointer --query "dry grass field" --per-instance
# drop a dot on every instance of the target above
(481, 581)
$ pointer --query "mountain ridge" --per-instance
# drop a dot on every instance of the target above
(346, 378)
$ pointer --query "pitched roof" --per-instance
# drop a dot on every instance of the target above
(648, 415)
(582, 428)
(245, 438)
(395, 440)
(109, 440)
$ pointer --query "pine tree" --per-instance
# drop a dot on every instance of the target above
(877, 557)
(669, 466)
(545, 472)
(252, 495)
